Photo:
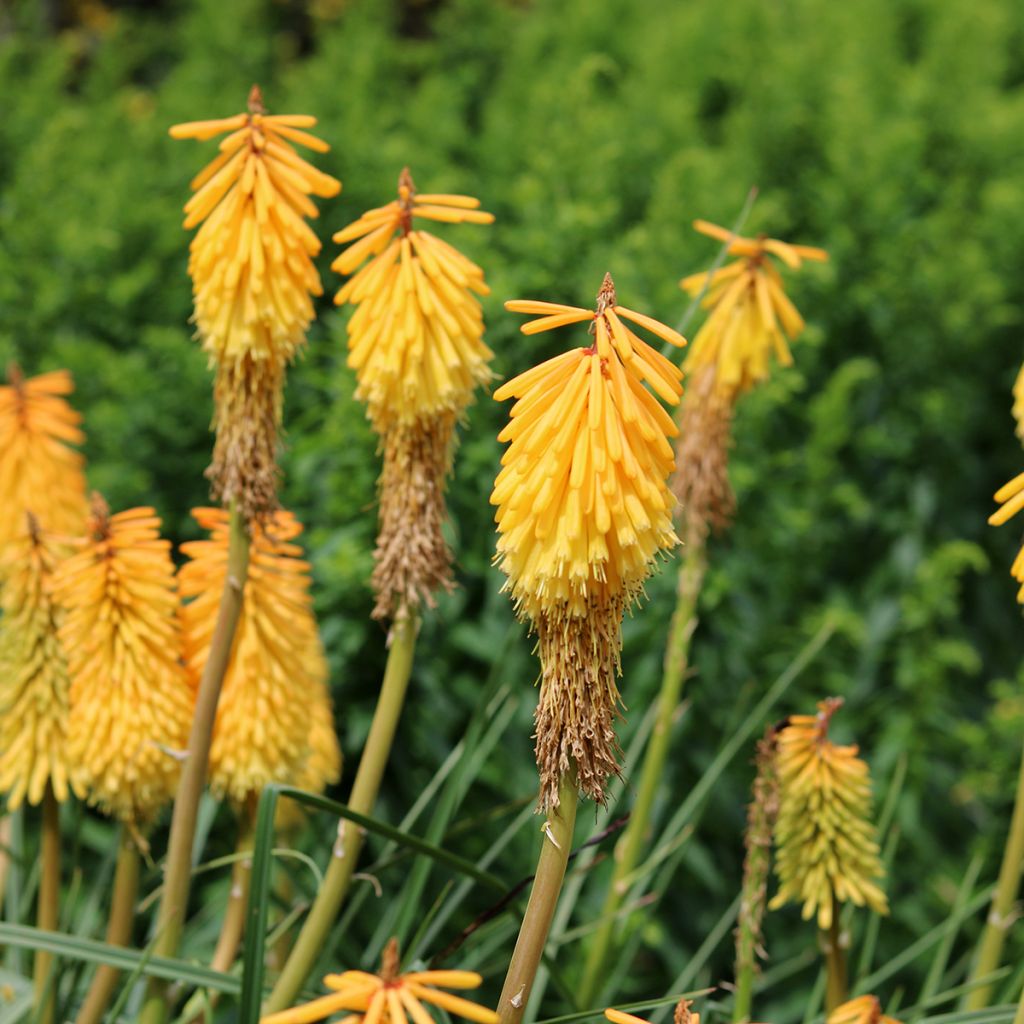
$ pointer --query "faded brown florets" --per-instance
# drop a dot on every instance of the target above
(579, 697)
(412, 558)
(701, 481)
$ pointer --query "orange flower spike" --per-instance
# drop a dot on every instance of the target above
(40, 470)
(131, 703)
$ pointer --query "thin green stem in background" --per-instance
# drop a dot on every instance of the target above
(1001, 914)
(233, 925)
(47, 911)
(178, 871)
(629, 848)
(836, 985)
(119, 928)
(338, 876)
(556, 845)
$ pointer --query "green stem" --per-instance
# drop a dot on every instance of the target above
(338, 876)
(835, 964)
(233, 926)
(547, 884)
(1000, 916)
(5, 855)
(1019, 1016)
(629, 848)
(49, 900)
(178, 870)
(119, 929)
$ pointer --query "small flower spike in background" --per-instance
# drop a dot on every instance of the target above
(253, 280)
(131, 703)
(826, 850)
(40, 470)
(274, 701)
(681, 1015)
(862, 1010)
(416, 344)
(583, 511)
(390, 997)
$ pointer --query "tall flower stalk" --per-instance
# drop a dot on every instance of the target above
(583, 510)
(416, 344)
(749, 320)
(253, 281)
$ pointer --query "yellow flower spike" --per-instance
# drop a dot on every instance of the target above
(416, 343)
(1011, 498)
(253, 279)
(862, 1010)
(826, 848)
(389, 997)
(40, 471)
(274, 721)
(751, 317)
(682, 1015)
(34, 684)
(131, 703)
(1018, 403)
(583, 510)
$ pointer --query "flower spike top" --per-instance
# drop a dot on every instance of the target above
(390, 997)
(274, 702)
(415, 340)
(862, 1010)
(1011, 499)
(33, 672)
(40, 471)
(583, 509)
(751, 315)
(131, 705)
(250, 261)
(827, 850)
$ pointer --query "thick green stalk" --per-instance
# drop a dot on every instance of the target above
(119, 929)
(178, 870)
(1019, 1015)
(1001, 915)
(338, 876)
(629, 848)
(835, 964)
(547, 884)
(48, 903)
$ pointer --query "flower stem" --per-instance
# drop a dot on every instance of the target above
(49, 899)
(178, 870)
(1000, 916)
(629, 847)
(346, 850)
(547, 884)
(119, 928)
(234, 916)
(5, 855)
(835, 965)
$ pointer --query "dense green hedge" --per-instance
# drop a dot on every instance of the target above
(889, 131)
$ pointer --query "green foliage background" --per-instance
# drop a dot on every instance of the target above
(891, 132)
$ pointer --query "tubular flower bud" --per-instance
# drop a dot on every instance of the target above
(416, 337)
(33, 673)
(751, 316)
(263, 731)
(827, 852)
(1011, 499)
(390, 997)
(862, 1010)
(39, 470)
(131, 704)
(251, 263)
(416, 344)
(583, 508)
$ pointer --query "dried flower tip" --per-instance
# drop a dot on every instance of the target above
(390, 997)
(412, 559)
(701, 480)
(263, 731)
(130, 700)
(34, 684)
(40, 471)
(751, 316)
(827, 852)
(416, 337)
(862, 1010)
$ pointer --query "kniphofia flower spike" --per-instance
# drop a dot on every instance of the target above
(583, 509)
(1011, 499)
(751, 316)
(390, 997)
(681, 1015)
(862, 1010)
